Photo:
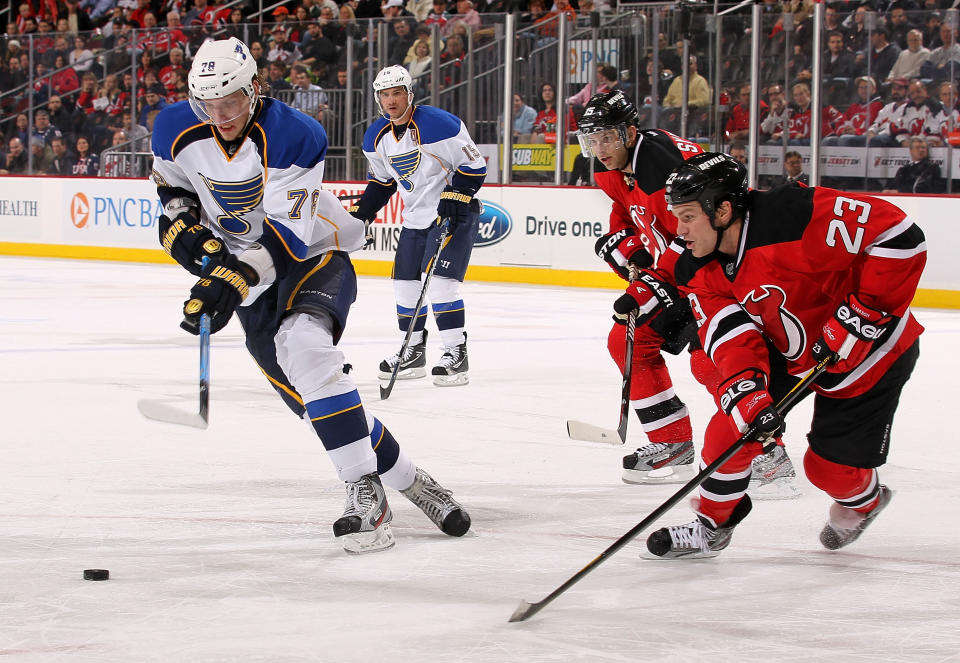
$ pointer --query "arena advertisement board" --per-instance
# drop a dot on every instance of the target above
(526, 234)
(877, 162)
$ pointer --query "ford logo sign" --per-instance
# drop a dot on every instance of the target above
(495, 224)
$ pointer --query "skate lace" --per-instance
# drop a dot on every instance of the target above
(433, 499)
(407, 356)
(651, 449)
(450, 357)
(691, 535)
(361, 498)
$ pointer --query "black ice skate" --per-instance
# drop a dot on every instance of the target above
(846, 525)
(414, 364)
(437, 502)
(365, 523)
(659, 463)
(698, 539)
(452, 368)
(773, 476)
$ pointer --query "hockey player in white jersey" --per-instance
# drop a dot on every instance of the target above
(239, 177)
(427, 154)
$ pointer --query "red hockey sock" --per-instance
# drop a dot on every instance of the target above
(843, 483)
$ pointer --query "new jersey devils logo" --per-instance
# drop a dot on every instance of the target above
(765, 305)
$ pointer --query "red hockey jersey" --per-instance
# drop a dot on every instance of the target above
(638, 200)
(801, 252)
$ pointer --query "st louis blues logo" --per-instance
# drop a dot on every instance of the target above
(405, 165)
(235, 199)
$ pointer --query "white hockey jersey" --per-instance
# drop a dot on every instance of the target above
(435, 151)
(269, 191)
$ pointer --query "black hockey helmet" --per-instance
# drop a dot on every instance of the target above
(709, 179)
(607, 110)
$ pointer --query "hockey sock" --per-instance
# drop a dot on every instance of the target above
(405, 315)
(450, 319)
(394, 468)
(341, 424)
(720, 492)
(856, 488)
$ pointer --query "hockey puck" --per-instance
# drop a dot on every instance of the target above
(96, 574)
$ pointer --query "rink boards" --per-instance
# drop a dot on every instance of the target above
(537, 235)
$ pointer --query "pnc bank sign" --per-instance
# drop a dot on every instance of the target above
(113, 211)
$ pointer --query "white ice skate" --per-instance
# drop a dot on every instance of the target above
(773, 476)
(414, 364)
(438, 504)
(659, 463)
(846, 525)
(451, 370)
(365, 523)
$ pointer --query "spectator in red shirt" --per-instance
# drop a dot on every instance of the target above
(738, 124)
(545, 125)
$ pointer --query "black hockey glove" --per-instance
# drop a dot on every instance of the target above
(621, 249)
(188, 242)
(367, 225)
(220, 290)
(454, 205)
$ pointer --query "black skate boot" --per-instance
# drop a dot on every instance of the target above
(414, 364)
(698, 539)
(452, 368)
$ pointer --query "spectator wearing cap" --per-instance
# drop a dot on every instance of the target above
(880, 132)
(391, 9)
(39, 159)
(884, 54)
(921, 175)
(154, 102)
(910, 61)
(282, 50)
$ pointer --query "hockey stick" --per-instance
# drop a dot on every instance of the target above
(353, 196)
(161, 411)
(579, 430)
(526, 610)
(385, 391)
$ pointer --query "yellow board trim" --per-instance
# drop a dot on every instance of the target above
(925, 298)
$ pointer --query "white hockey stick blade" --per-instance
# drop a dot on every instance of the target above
(162, 411)
(579, 430)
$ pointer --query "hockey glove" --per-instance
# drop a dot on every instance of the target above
(745, 400)
(454, 205)
(649, 295)
(621, 249)
(367, 225)
(220, 290)
(850, 334)
(188, 242)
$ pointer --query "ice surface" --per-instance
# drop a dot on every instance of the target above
(219, 542)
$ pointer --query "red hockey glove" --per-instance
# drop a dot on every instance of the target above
(621, 249)
(648, 295)
(745, 399)
(850, 334)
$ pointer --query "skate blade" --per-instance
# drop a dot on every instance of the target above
(451, 380)
(646, 554)
(408, 374)
(669, 474)
(784, 488)
(359, 543)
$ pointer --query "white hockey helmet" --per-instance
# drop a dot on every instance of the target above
(389, 78)
(219, 69)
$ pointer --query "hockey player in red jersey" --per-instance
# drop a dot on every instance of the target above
(780, 280)
(641, 241)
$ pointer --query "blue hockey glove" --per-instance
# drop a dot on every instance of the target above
(220, 290)
(455, 206)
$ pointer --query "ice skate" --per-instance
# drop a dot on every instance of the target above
(698, 539)
(365, 523)
(773, 476)
(452, 368)
(846, 525)
(414, 364)
(436, 501)
(659, 463)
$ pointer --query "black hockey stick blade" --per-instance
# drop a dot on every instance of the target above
(385, 391)
(526, 610)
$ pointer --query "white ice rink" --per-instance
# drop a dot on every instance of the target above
(219, 542)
